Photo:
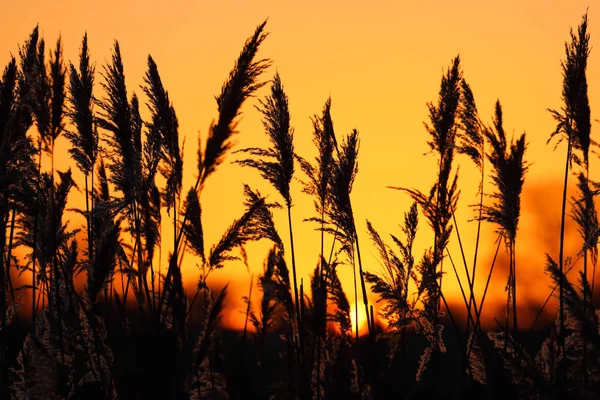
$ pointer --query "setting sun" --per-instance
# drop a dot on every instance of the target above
(362, 320)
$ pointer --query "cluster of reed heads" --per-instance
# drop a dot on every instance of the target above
(90, 342)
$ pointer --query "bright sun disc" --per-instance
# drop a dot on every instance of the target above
(362, 320)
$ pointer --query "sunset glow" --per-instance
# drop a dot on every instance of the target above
(362, 321)
(299, 200)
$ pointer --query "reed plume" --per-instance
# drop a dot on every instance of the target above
(471, 141)
(41, 96)
(573, 120)
(164, 124)
(241, 84)
(277, 288)
(117, 118)
(508, 175)
(439, 205)
(321, 172)
(276, 163)
(340, 186)
(107, 245)
(28, 63)
(337, 296)
(84, 139)
(193, 230)
(57, 95)
(255, 224)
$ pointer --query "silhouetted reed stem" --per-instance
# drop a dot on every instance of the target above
(469, 279)
(299, 300)
(35, 233)
(472, 297)
(126, 291)
(561, 337)
(585, 308)
(514, 269)
(3, 284)
(322, 286)
(405, 322)
(363, 288)
(454, 324)
(289, 213)
(244, 336)
(55, 259)
(91, 194)
(593, 284)
(477, 326)
(9, 255)
(175, 207)
(305, 391)
(355, 294)
(460, 285)
(142, 270)
(248, 307)
(585, 289)
(88, 219)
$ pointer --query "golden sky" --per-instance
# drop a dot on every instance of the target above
(380, 62)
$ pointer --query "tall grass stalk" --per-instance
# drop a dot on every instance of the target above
(340, 214)
(32, 83)
(240, 85)
(440, 203)
(276, 165)
(84, 140)
(320, 175)
(472, 144)
(508, 175)
(573, 121)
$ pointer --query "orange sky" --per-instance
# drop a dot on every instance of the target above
(380, 62)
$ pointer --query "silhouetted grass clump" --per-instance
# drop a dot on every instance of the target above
(132, 331)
